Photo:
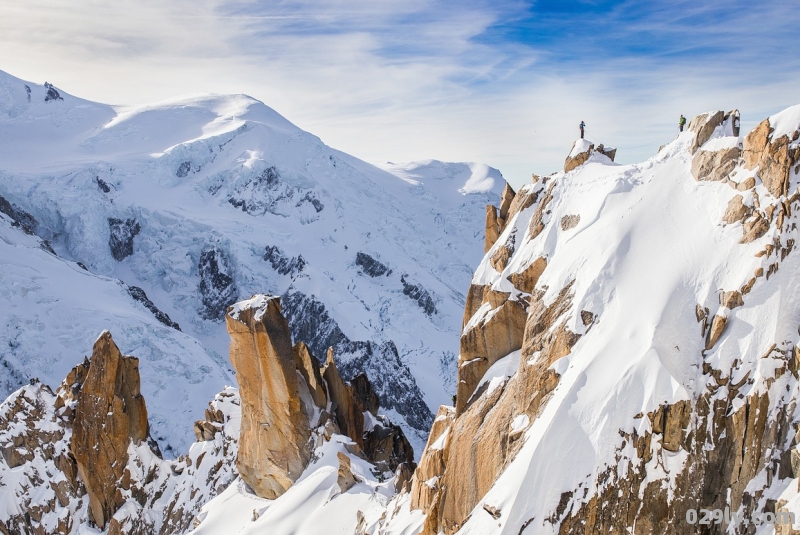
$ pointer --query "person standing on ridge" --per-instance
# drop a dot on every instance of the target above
(583, 126)
(681, 122)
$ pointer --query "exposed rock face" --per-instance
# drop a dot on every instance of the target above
(33, 437)
(282, 264)
(139, 295)
(217, 287)
(482, 438)
(386, 447)
(419, 294)
(486, 340)
(110, 414)
(774, 158)
(714, 165)
(526, 279)
(703, 126)
(510, 204)
(492, 227)
(345, 478)
(273, 446)
(308, 367)
(371, 266)
(506, 199)
(426, 490)
(390, 378)
(574, 161)
(348, 409)
(122, 233)
(19, 217)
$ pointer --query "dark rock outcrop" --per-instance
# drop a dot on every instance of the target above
(370, 266)
(52, 93)
(20, 218)
(363, 391)
(121, 235)
(217, 287)
(387, 447)
(420, 295)
(139, 295)
(283, 264)
(183, 169)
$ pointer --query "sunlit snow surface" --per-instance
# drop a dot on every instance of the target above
(219, 179)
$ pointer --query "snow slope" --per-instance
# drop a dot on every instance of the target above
(650, 246)
(203, 201)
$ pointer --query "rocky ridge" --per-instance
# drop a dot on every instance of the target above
(89, 442)
(725, 440)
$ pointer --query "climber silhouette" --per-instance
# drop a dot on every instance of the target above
(583, 127)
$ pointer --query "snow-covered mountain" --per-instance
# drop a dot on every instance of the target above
(150, 221)
(628, 349)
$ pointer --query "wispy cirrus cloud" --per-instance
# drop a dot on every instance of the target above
(499, 82)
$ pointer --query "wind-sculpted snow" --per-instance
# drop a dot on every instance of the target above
(201, 202)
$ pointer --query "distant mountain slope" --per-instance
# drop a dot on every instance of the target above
(199, 202)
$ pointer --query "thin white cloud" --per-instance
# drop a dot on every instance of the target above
(400, 80)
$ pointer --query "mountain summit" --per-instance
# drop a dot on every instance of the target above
(154, 219)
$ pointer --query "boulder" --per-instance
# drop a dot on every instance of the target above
(345, 478)
(714, 333)
(714, 165)
(736, 210)
(570, 221)
(703, 126)
(754, 227)
(274, 437)
(110, 414)
(774, 158)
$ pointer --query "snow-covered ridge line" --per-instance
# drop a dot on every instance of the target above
(652, 306)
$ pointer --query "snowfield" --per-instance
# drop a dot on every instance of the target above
(197, 203)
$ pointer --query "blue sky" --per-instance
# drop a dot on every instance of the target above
(502, 82)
